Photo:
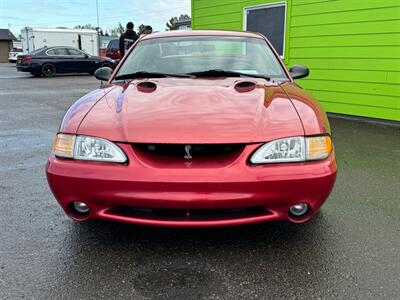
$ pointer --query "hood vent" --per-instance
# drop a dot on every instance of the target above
(146, 87)
(245, 86)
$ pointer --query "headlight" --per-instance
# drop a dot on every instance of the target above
(87, 148)
(283, 150)
(293, 149)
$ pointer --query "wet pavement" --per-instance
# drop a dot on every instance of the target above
(349, 250)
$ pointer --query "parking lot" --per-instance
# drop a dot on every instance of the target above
(349, 250)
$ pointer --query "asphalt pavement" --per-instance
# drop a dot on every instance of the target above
(351, 249)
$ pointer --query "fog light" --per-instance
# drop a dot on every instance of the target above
(299, 209)
(81, 207)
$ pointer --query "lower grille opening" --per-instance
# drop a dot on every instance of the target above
(188, 214)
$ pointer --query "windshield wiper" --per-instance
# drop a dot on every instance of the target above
(225, 73)
(145, 74)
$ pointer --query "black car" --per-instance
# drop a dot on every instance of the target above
(48, 61)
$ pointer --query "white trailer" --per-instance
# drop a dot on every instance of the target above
(83, 39)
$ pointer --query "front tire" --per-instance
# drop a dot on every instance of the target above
(49, 70)
(106, 64)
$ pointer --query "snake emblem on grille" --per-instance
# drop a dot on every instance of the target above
(188, 150)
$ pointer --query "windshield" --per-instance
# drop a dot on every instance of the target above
(37, 50)
(191, 54)
(113, 44)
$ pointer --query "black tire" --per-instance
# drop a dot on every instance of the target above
(106, 64)
(49, 70)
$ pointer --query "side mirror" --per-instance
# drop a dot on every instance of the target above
(103, 73)
(298, 71)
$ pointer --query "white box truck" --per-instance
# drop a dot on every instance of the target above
(83, 39)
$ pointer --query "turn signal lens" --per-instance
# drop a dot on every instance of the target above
(87, 148)
(64, 145)
(318, 147)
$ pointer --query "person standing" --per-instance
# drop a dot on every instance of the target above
(147, 29)
(127, 39)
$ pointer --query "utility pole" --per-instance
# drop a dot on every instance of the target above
(98, 29)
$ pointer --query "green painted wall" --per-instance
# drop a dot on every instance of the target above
(352, 48)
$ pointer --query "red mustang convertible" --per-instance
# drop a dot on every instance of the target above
(195, 129)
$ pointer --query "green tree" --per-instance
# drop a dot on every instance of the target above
(87, 26)
(90, 26)
(171, 24)
(140, 29)
(117, 30)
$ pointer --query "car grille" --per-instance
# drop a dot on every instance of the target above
(181, 155)
(195, 150)
(188, 214)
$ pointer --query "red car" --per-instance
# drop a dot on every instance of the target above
(102, 52)
(112, 50)
(195, 129)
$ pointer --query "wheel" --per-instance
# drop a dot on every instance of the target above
(106, 64)
(48, 70)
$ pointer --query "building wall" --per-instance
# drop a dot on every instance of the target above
(5, 47)
(352, 48)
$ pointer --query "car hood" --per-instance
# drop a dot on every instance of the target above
(193, 111)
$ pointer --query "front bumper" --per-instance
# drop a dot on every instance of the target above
(265, 191)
